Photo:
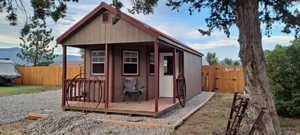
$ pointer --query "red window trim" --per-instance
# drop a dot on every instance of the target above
(91, 63)
(138, 64)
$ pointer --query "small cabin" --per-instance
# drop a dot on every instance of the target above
(129, 67)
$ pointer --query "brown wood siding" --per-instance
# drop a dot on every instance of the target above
(95, 32)
(88, 61)
(192, 73)
(118, 82)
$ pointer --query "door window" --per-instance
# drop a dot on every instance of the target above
(168, 65)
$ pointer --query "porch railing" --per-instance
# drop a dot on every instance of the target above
(84, 90)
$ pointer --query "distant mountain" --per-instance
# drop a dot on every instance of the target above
(11, 53)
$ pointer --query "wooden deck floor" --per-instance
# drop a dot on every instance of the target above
(145, 108)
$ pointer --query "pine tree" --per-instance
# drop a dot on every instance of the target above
(212, 59)
(36, 48)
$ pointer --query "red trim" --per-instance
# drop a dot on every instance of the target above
(156, 75)
(152, 31)
(64, 75)
(106, 71)
(84, 63)
(174, 75)
(147, 74)
(122, 66)
(91, 63)
(113, 75)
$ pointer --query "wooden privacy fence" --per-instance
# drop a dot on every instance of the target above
(223, 78)
(44, 75)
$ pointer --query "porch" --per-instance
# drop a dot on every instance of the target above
(144, 108)
(128, 48)
(90, 91)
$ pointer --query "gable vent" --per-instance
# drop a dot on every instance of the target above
(105, 17)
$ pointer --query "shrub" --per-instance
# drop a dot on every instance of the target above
(283, 67)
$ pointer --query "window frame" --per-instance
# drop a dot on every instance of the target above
(137, 63)
(91, 61)
(151, 54)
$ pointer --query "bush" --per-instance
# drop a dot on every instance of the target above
(283, 67)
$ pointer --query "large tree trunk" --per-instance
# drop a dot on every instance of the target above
(251, 54)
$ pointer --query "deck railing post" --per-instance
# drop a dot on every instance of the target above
(64, 75)
(174, 75)
(147, 73)
(106, 75)
(156, 74)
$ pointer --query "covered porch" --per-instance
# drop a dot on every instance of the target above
(143, 108)
(100, 88)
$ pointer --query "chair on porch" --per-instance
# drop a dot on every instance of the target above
(130, 90)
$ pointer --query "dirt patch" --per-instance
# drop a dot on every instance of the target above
(213, 116)
(14, 128)
(290, 126)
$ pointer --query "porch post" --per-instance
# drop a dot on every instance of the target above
(156, 74)
(147, 73)
(174, 75)
(64, 75)
(106, 71)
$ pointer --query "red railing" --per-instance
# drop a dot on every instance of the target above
(84, 90)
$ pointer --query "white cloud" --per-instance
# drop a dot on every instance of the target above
(215, 44)
(9, 39)
(273, 40)
(266, 41)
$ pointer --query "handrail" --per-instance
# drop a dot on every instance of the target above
(86, 84)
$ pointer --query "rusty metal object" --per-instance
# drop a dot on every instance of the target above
(181, 89)
(256, 123)
(237, 113)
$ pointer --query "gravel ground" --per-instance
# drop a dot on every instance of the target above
(14, 108)
(75, 123)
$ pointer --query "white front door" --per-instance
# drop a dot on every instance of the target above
(166, 75)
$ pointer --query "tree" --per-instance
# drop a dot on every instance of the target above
(247, 16)
(228, 61)
(236, 63)
(212, 59)
(82, 53)
(35, 44)
(283, 70)
(42, 9)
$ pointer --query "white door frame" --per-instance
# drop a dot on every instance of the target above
(165, 81)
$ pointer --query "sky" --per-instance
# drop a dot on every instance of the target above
(178, 24)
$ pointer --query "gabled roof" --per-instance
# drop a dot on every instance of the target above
(152, 31)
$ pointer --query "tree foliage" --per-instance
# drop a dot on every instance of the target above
(42, 9)
(212, 58)
(35, 45)
(236, 63)
(223, 13)
(228, 61)
(283, 70)
(247, 15)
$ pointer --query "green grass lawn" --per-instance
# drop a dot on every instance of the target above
(21, 89)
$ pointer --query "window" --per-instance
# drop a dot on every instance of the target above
(130, 62)
(151, 63)
(98, 62)
(168, 65)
